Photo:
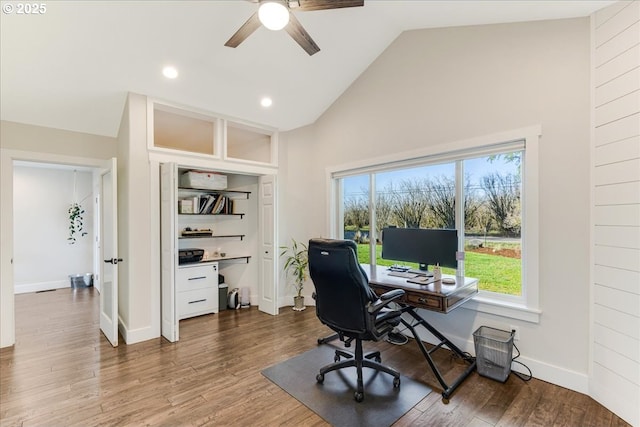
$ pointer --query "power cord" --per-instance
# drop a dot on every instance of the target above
(523, 377)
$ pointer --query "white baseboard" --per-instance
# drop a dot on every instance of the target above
(25, 288)
(576, 381)
(133, 336)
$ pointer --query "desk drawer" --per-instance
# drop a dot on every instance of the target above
(196, 277)
(197, 302)
(423, 300)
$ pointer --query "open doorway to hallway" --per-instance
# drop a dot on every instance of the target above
(54, 211)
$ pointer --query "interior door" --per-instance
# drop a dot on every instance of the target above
(267, 225)
(168, 202)
(109, 252)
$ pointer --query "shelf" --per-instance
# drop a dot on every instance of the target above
(241, 215)
(226, 258)
(226, 192)
(241, 236)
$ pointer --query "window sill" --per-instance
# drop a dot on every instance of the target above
(501, 308)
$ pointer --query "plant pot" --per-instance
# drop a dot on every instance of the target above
(298, 303)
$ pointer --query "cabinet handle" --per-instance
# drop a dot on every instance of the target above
(422, 300)
(197, 278)
(197, 301)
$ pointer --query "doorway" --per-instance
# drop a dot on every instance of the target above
(7, 289)
(53, 224)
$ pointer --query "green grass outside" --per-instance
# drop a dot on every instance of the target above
(496, 273)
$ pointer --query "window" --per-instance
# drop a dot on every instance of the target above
(481, 190)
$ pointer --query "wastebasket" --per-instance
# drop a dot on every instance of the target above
(81, 280)
(222, 296)
(494, 349)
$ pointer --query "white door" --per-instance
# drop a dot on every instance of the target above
(109, 252)
(168, 202)
(268, 250)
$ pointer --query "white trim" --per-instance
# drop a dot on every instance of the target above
(525, 307)
(573, 380)
(440, 153)
(213, 164)
(133, 336)
(26, 288)
(485, 304)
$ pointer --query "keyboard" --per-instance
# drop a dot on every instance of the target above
(403, 274)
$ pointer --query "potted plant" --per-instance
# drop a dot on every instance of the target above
(295, 265)
(76, 224)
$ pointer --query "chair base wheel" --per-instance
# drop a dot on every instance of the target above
(320, 378)
(396, 382)
(358, 396)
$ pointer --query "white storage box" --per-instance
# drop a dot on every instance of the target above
(185, 206)
(203, 180)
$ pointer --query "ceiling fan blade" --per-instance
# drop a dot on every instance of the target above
(252, 24)
(307, 5)
(300, 35)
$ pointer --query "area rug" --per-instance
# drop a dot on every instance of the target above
(333, 399)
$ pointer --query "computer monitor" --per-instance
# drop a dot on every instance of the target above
(424, 246)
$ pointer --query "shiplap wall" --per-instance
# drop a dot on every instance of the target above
(615, 357)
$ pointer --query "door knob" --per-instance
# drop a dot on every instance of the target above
(113, 261)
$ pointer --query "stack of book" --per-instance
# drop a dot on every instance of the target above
(208, 204)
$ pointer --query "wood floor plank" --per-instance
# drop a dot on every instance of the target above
(62, 372)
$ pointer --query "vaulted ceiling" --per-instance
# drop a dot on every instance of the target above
(72, 66)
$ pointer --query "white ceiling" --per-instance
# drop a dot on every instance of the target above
(71, 67)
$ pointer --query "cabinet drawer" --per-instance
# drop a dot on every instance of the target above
(424, 300)
(197, 302)
(197, 277)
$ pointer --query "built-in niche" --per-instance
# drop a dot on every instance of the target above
(247, 143)
(184, 132)
(180, 131)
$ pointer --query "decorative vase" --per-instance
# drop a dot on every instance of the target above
(298, 303)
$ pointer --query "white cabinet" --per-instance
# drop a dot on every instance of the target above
(197, 290)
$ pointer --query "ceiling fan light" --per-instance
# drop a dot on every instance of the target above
(273, 15)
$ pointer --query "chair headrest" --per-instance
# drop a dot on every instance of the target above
(333, 244)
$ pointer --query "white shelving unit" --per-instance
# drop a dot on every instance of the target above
(191, 289)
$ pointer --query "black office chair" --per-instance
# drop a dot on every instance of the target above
(346, 304)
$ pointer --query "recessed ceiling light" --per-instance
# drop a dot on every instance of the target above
(266, 102)
(170, 72)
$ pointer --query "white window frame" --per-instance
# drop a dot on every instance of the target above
(523, 307)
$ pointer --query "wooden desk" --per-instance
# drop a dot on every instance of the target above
(431, 296)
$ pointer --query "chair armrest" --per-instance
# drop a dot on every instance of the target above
(385, 299)
(393, 294)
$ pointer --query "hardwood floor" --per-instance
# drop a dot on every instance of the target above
(62, 372)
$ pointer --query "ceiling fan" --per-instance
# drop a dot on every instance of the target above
(276, 15)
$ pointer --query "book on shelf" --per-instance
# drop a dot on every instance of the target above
(210, 201)
(219, 204)
(228, 206)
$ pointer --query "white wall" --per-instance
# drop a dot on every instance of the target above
(615, 367)
(138, 283)
(42, 255)
(436, 86)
